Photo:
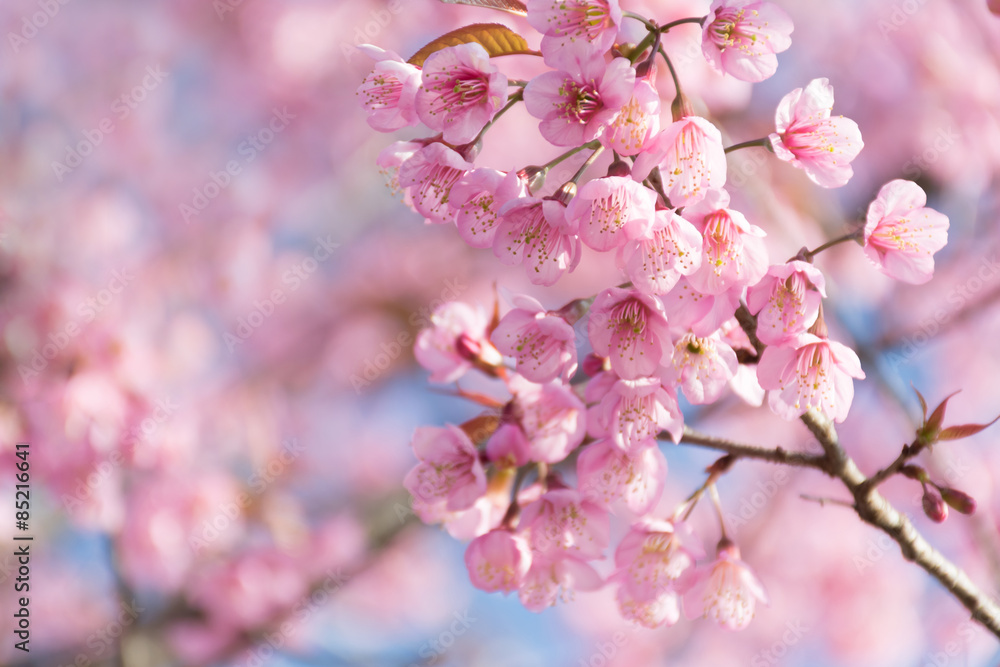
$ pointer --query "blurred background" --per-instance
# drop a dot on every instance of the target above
(208, 298)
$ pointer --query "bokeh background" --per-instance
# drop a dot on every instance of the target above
(207, 298)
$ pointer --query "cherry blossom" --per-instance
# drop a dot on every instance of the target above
(462, 91)
(563, 523)
(809, 372)
(702, 367)
(670, 249)
(607, 475)
(477, 199)
(591, 24)
(550, 418)
(733, 252)
(742, 37)
(608, 211)
(549, 576)
(786, 300)
(438, 347)
(498, 561)
(901, 234)
(630, 328)
(534, 233)
(429, 175)
(449, 468)
(632, 412)
(810, 139)
(637, 122)
(389, 92)
(725, 591)
(690, 157)
(542, 343)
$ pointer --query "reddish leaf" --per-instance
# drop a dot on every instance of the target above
(933, 422)
(498, 40)
(963, 431)
(512, 6)
(923, 403)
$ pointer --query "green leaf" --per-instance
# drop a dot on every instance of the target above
(498, 40)
(512, 6)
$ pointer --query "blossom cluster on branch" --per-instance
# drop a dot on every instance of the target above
(534, 480)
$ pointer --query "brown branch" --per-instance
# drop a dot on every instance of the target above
(776, 455)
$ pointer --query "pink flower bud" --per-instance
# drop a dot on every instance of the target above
(934, 507)
(959, 500)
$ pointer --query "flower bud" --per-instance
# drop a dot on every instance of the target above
(533, 177)
(914, 472)
(934, 506)
(959, 500)
(594, 364)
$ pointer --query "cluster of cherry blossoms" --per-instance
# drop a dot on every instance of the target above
(701, 308)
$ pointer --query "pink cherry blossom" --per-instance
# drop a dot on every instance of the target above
(477, 199)
(742, 37)
(810, 139)
(562, 523)
(389, 161)
(551, 579)
(534, 233)
(702, 367)
(725, 591)
(592, 24)
(902, 234)
(632, 412)
(691, 159)
(576, 106)
(389, 91)
(733, 252)
(462, 91)
(437, 348)
(637, 122)
(484, 515)
(551, 418)
(607, 475)
(630, 328)
(608, 211)
(649, 560)
(429, 175)
(671, 249)
(498, 561)
(809, 372)
(786, 300)
(542, 343)
(449, 468)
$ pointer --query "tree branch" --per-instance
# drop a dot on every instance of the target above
(776, 455)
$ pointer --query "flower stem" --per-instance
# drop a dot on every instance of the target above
(700, 20)
(514, 99)
(763, 142)
(586, 165)
(570, 153)
(809, 254)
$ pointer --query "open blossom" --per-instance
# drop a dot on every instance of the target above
(477, 199)
(787, 300)
(691, 159)
(637, 122)
(549, 417)
(429, 175)
(608, 211)
(733, 252)
(702, 367)
(591, 24)
(650, 560)
(743, 37)
(389, 91)
(444, 347)
(630, 328)
(632, 412)
(390, 159)
(549, 576)
(902, 234)
(810, 139)
(562, 523)
(669, 250)
(462, 91)
(498, 561)
(534, 233)
(725, 591)
(543, 344)
(449, 468)
(575, 106)
(606, 475)
(809, 372)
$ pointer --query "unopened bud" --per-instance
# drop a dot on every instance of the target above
(594, 364)
(565, 193)
(619, 168)
(914, 472)
(480, 428)
(934, 507)
(533, 177)
(959, 500)
(722, 465)
(468, 347)
(681, 108)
